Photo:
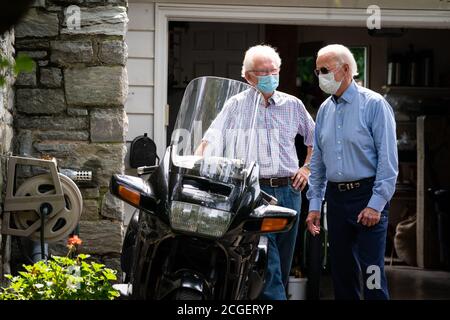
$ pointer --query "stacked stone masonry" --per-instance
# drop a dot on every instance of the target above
(71, 106)
(6, 130)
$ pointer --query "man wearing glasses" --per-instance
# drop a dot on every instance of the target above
(279, 118)
(354, 165)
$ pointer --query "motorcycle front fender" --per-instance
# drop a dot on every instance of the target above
(184, 279)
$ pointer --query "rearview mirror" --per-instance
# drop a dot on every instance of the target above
(146, 170)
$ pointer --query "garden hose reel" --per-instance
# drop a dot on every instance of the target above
(51, 199)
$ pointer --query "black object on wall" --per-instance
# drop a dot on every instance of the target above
(143, 152)
(12, 12)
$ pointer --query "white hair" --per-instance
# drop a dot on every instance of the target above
(259, 50)
(342, 55)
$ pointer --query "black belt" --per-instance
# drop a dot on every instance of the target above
(275, 182)
(346, 186)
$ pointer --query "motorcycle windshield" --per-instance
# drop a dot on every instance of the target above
(215, 135)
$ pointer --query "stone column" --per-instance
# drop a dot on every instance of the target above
(72, 105)
(6, 132)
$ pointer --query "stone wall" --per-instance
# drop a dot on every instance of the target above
(6, 125)
(72, 105)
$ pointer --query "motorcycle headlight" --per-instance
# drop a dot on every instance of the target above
(198, 219)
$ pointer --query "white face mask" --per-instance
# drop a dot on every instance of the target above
(328, 84)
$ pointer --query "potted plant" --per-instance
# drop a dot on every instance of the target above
(72, 277)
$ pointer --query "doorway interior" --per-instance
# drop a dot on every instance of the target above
(217, 48)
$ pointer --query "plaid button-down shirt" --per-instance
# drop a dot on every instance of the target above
(276, 127)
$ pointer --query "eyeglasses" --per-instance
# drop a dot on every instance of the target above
(262, 72)
(323, 70)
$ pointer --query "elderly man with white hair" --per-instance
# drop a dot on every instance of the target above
(280, 117)
(354, 166)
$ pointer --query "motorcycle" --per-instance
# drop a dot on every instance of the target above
(198, 233)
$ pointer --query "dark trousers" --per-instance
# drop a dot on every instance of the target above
(354, 248)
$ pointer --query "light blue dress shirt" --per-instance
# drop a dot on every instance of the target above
(355, 138)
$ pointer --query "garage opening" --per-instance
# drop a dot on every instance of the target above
(409, 67)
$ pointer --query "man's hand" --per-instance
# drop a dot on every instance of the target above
(369, 217)
(300, 179)
(313, 222)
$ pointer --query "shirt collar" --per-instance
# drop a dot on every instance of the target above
(348, 94)
(275, 98)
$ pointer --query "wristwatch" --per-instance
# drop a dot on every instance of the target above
(307, 165)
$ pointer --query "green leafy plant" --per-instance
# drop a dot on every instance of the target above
(22, 63)
(62, 278)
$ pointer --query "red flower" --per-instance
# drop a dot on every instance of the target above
(74, 240)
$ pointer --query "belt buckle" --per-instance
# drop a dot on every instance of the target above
(348, 186)
(271, 184)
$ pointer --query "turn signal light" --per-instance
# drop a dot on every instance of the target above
(130, 196)
(273, 224)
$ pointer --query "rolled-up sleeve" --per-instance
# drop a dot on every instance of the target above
(220, 123)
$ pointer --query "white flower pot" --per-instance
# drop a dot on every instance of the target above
(297, 288)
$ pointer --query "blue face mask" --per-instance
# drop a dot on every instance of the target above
(268, 84)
